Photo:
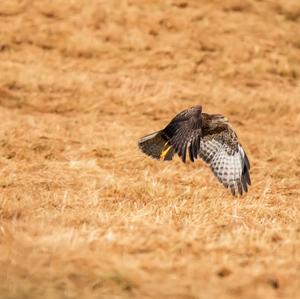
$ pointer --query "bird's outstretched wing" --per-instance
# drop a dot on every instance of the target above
(184, 132)
(227, 159)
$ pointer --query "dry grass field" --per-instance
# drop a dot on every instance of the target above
(84, 214)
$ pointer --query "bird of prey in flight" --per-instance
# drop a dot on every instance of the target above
(206, 136)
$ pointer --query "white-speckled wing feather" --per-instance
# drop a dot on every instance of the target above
(231, 167)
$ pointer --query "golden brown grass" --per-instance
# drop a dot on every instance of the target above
(83, 214)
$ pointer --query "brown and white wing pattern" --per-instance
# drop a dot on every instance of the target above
(184, 132)
(227, 159)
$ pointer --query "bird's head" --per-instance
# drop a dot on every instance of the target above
(219, 119)
(216, 120)
(213, 121)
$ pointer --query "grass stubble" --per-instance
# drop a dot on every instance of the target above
(83, 214)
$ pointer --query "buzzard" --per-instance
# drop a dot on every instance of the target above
(206, 136)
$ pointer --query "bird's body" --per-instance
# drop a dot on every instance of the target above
(206, 136)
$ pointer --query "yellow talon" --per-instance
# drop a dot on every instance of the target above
(165, 152)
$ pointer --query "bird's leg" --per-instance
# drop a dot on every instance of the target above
(165, 151)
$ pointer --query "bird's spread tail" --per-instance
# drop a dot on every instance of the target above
(157, 146)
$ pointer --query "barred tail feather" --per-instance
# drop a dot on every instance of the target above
(156, 145)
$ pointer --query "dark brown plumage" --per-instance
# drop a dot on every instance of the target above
(206, 136)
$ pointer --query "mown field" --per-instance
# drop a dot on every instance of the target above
(84, 214)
